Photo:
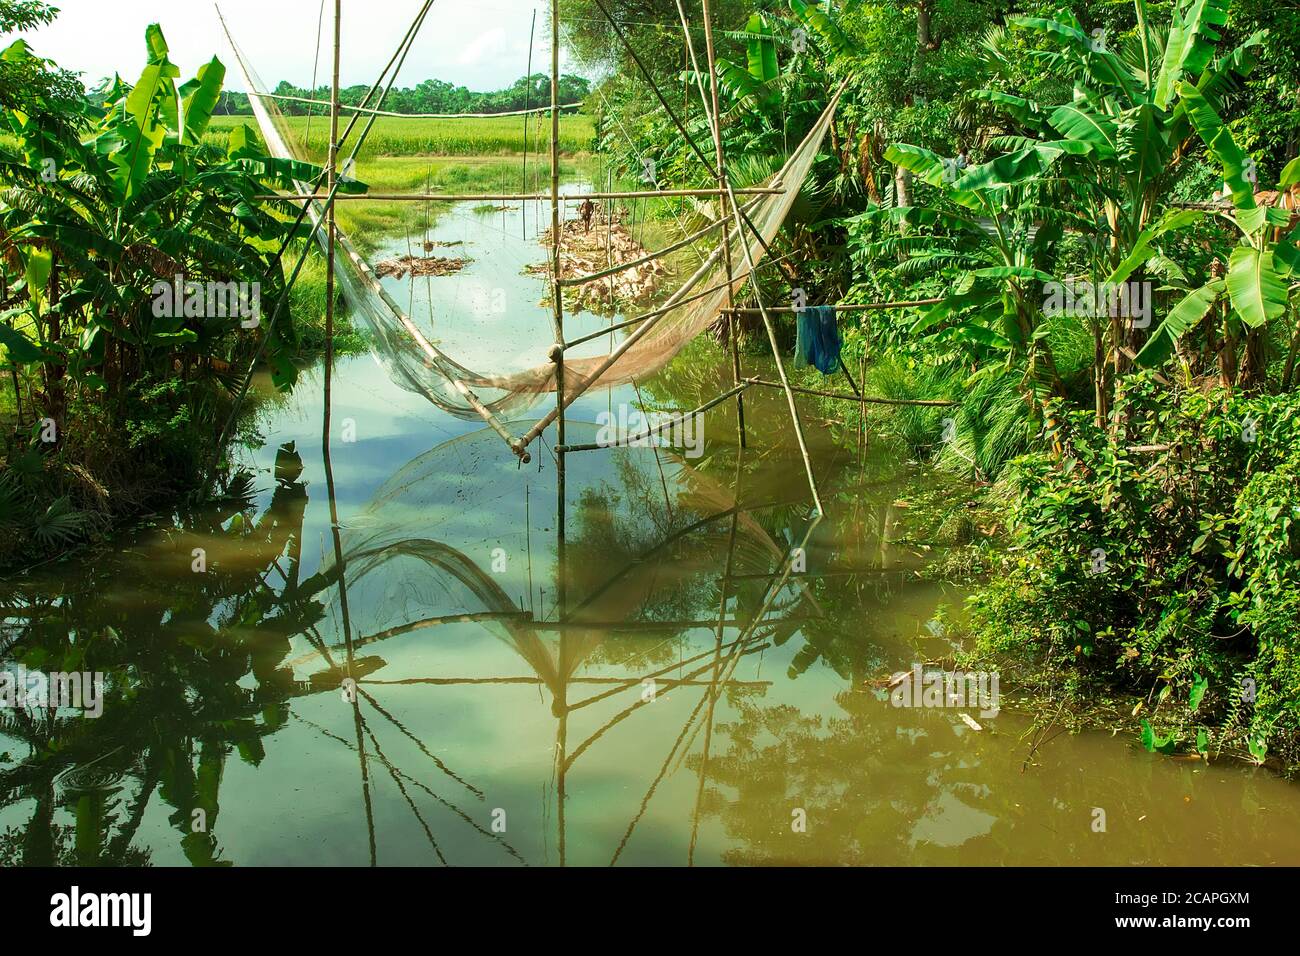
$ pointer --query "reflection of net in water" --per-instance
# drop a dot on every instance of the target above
(418, 365)
(446, 538)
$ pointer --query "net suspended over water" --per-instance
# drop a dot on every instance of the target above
(411, 354)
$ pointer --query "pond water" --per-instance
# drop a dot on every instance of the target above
(426, 700)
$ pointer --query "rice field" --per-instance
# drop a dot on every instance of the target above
(368, 222)
(395, 136)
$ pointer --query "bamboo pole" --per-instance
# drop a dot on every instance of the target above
(331, 173)
(774, 190)
(540, 425)
(528, 103)
(679, 417)
(851, 307)
(924, 402)
(557, 355)
(650, 626)
(654, 313)
(621, 683)
(331, 226)
(780, 368)
(397, 59)
(715, 123)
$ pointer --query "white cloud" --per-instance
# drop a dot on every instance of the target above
(484, 45)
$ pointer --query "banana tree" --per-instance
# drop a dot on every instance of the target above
(1113, 152)
(1263, 268)
(95, 224)
(992, 243)
(767, 104)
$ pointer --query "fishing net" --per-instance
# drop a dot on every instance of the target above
(411, 354)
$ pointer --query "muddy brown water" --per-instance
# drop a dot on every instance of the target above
(427, 700)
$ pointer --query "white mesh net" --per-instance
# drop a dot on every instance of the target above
(415, 362)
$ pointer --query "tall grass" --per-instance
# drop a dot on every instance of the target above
(394, 136)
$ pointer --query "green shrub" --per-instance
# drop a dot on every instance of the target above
(1164, 561)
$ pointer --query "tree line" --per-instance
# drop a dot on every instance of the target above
(430, 96)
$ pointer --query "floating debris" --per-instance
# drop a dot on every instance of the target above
(401, 267)
(588, 247)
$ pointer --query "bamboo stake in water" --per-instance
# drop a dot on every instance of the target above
(715, 122)
(528, 103)
(561, 703)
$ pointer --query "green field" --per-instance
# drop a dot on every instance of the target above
(369, 221)
(394, 136)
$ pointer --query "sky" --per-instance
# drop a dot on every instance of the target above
(481, 44)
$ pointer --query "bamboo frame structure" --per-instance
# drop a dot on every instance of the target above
(715, 125)
(734, 221)
(713, 669)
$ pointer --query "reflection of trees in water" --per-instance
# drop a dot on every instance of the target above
(199, 668)
(860, 808)
(888, 787)
(173, 658)
(614, 526)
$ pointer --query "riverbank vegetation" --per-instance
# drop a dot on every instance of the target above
(140, 275)
(1096, 206)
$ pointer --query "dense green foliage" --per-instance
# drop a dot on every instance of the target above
(119, 397)
(1161, 565)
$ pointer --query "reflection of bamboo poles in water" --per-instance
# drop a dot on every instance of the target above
(716, 665)
(419, 743)
(331, 173)
(717, 655)
(406, 796)
(421, 786)
(737, 647)
(722, 671)
(622, 682)
(723, 678)
(397, 772)
(557, 355)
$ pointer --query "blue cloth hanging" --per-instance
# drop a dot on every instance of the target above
(817, 339)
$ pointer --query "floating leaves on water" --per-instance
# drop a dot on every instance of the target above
(403, 266)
